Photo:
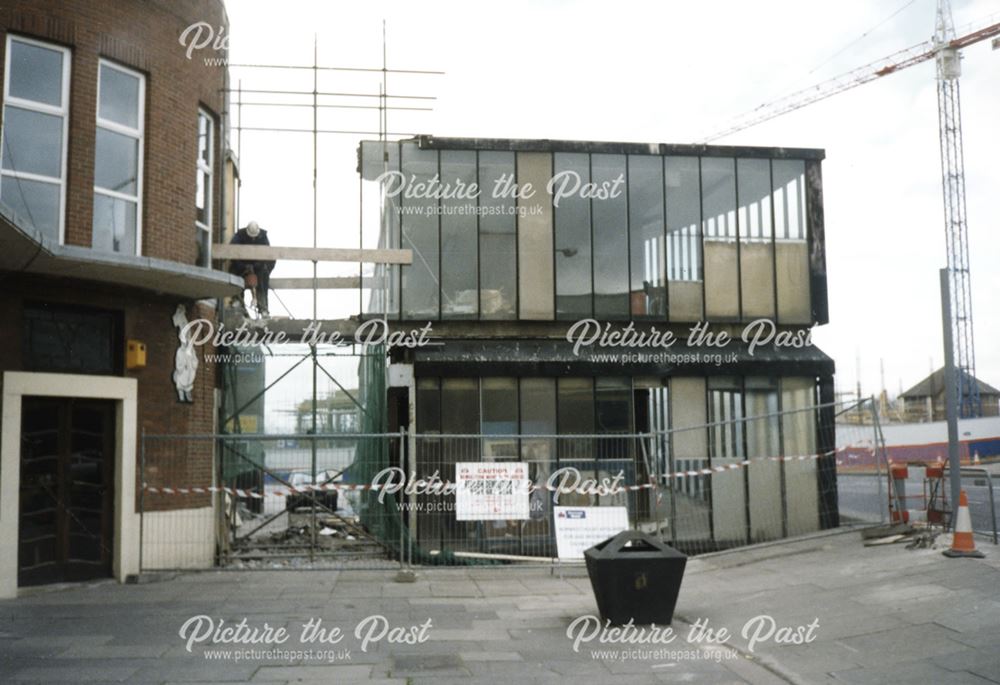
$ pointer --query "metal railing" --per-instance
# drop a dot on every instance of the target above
(978, 485)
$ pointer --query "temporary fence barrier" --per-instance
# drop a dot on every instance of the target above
(381, 499)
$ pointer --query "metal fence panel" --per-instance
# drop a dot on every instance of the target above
(267, 501)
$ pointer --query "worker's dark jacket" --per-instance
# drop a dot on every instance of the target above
(238, 267)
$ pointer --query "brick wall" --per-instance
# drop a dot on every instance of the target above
(142, 35)
(148, 319)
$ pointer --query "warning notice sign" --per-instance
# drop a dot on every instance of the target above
(578, 528)
(491, 491)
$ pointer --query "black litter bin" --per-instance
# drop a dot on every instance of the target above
(635, 577)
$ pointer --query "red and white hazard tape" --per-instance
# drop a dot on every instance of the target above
(746, 462)
(240, 492)
(284, 492)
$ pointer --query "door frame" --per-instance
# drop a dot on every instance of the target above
(17, 384)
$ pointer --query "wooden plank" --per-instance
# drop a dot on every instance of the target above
(294, 328)
(323, 283)
(310, 254)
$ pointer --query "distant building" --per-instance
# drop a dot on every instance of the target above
(925, 400)
(336, 413)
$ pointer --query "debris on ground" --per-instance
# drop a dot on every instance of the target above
(915, 538)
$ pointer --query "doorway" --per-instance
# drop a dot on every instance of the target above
(66, 522)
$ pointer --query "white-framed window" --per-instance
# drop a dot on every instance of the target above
(203, 192)
(121, 95)
(35, 131)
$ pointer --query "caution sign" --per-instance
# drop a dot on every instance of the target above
(578, 528)
(491, 491)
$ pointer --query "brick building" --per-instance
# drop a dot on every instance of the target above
(114, 182)
(925, 401)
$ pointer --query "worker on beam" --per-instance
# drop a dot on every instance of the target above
(255, 274)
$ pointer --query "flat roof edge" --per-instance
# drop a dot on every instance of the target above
(430, 142)
(29, 251)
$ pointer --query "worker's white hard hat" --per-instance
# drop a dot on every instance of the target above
(253, 229)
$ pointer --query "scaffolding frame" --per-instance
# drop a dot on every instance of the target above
(386, 101)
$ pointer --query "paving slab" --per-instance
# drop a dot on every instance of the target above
(883, 615)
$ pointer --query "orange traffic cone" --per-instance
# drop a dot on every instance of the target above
(962, 543)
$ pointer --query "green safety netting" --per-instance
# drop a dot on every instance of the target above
(383, 518)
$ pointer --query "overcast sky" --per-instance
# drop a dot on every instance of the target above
(667, 72)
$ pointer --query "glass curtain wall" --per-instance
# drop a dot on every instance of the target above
(683, 239)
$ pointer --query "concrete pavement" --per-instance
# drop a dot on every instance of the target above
(881, 614)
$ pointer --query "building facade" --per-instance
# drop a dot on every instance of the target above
(111, 194)
(559, 247)
(925, 401)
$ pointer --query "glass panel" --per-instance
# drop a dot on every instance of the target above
(648, 294)
(36, 73)
(536, 288)
(756, 245)
(576, 415)
(497, 238)
(380, 227)
(114, 224)
(428, 406)
(35, 201)
(613, 415)
(202, 193)
(69, 340)
(116, 162)
(610, 240)
(791, 248)
(725, 406)
(204, 246)
(538, 406)
(728, 494)
(613, 405)
(682, 188)
(460, 415)
(576, 405)
(538, 416)
(420, 234)
(574, 284)
(651, 405)
(755, 199)
(460, 398)
(718, 198)
(204, 138)
(499, 398)
(763, 473)
(683, 218)
(459, 267)
(32, 142)
(119, 97)
(718, 178)
(789, 199)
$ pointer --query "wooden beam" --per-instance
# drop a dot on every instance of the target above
(262, 253)
(294, 328)
(327, 283)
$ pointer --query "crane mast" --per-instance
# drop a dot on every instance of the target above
(949, 70)
(944, 48)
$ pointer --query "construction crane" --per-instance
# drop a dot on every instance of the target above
(944, 49)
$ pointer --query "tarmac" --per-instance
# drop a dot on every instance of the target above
(821, 609)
